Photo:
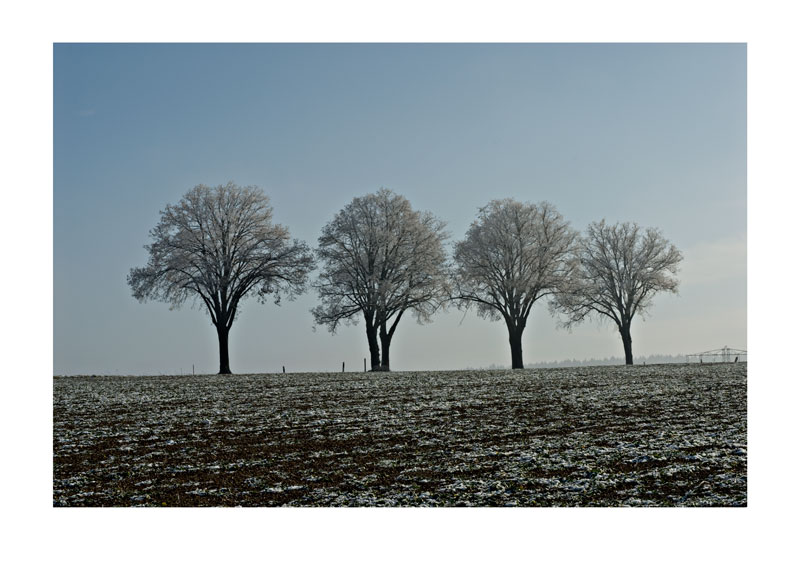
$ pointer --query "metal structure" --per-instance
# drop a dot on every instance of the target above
(724, 355)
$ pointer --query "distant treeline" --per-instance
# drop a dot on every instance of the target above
(653, 359)
(650, 359)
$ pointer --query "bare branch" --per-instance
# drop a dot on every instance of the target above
(219, 244)
(512, 255)
(380, 258)
(620, 269)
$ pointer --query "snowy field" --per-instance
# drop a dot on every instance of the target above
(656, 435)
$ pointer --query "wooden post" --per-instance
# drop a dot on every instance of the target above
(193, 369)
(343, 366)
(365, 364)
(284, 368)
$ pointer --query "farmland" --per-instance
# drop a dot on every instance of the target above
(656, 435)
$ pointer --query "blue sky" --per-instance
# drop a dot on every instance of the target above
(649, 133)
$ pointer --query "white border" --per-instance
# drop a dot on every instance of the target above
(355, 538)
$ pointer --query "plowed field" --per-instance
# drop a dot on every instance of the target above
(657, 435)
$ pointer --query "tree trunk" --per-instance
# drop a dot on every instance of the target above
(627, 342)
(515, 340)
(224, 362)
(386, 340)
(374, 350)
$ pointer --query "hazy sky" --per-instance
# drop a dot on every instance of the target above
(650, 133)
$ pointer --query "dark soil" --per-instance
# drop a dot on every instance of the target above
(659, 435)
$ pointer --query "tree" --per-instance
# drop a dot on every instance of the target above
(380, 259)
(621, 268)
(219, 245)
(512, 255)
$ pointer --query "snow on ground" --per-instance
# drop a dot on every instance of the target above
(660, 435)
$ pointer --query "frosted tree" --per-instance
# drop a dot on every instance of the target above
(380, 259)
(219, 246)
(621, 268)
(512, 255)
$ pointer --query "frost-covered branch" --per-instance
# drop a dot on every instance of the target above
(620, 268)
(219, 244)
(380, 258)
(512, 255)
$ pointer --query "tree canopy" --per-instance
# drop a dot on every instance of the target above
(621, 267)
(380, 259)
(219, 245)
(512, 255)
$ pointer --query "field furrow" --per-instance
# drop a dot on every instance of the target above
(656, 435)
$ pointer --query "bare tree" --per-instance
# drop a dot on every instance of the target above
(380, 259)
(621, 268)
(512, 255)
(219, 245)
